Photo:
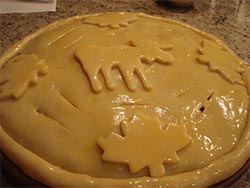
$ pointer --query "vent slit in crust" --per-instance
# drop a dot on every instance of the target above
(43, 113)
(50, 43)
(68, 100)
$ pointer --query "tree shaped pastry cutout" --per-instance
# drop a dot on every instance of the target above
(19, 74)
(128, 59)
(145, 144)
(221, 61)
(112, 20)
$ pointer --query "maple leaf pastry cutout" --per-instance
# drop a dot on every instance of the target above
(19, 74)
(145, 144)
(127, 58)
(221, 61)
(112, 20)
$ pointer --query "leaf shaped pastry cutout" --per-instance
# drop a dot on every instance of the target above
(19, 74)
(112, 20)
(128, 59)
(145, 144)
(221, 61)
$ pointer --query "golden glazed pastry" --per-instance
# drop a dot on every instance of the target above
(124, 100)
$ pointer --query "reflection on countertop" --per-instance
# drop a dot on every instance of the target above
(229, 20)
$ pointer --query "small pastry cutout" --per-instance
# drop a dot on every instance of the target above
(112, 20)
(228, 67)
(96, 59)
(19, 74)
(142, 135)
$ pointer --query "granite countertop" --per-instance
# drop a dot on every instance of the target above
(229, 20)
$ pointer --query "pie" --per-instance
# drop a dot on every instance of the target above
(123, 99)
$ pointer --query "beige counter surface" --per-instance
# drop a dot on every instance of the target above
(229, 20)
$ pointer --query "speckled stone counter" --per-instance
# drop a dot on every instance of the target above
(229, 20)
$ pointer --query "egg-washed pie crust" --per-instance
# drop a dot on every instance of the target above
(124, 100)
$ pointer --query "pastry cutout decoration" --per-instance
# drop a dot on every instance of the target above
(221, 61)
(19, 74)
(137, 148)
(128, 59)
(112, 20)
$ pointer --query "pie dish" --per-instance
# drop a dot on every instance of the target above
(124, 100)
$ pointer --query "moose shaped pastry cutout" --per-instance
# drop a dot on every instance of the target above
(127, 58)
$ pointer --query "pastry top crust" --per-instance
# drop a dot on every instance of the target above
(124, 99)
